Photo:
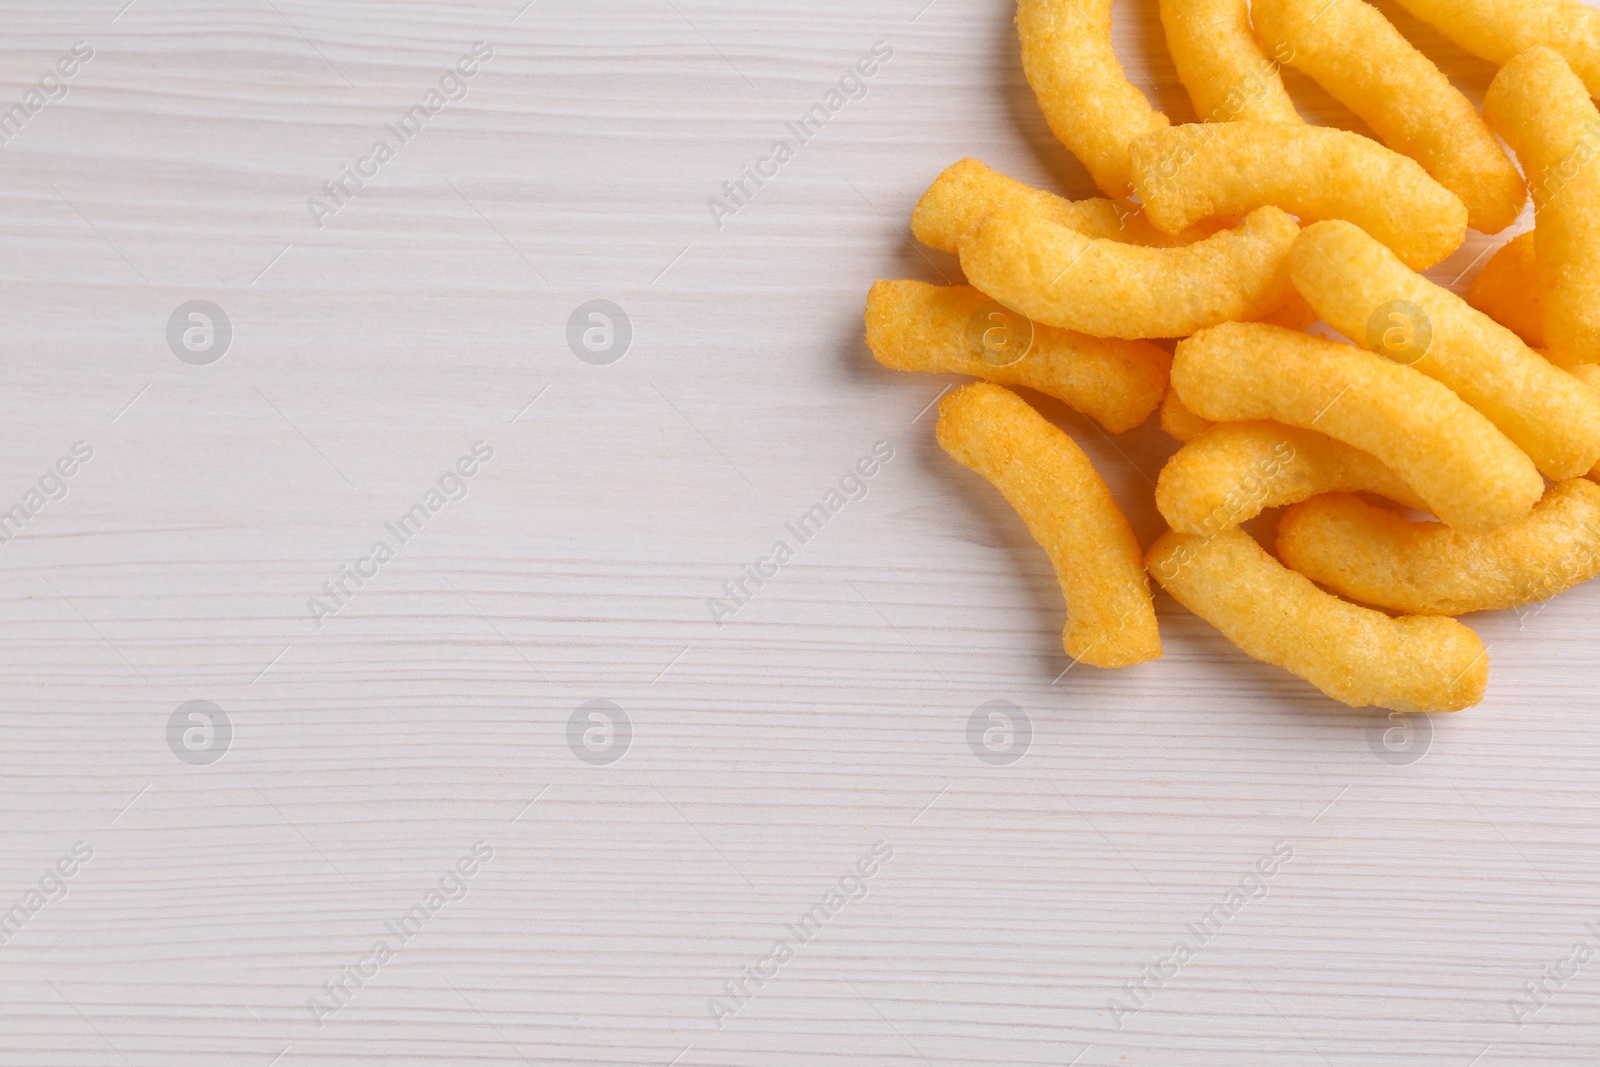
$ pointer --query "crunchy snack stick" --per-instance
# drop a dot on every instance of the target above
(1453, 457)
(1185, 174)
(1543, 111)
(1058, 276)
(919, 327)
(967, 191)
(1233, 472)
(1294, 314)
(1178, 421)
(1426, 568)
(1509, 290)
(1356, 655)
(1587, 373)
(1082, 90)
(1052, 485)
(1219, 61)
(1364, 292)
(1356, 54)
(1499, 30)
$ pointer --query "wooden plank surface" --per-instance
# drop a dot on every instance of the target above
(769, 754)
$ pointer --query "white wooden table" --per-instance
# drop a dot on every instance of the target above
(622, 900)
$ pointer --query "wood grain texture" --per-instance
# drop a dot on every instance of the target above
(768, 754)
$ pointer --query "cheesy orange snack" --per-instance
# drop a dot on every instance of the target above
(1509, 290)
(1233, 472)
(1543, 111)
(914, 326)
(1294, 314)
(1469, 474)
(1499, 30)
(1056, 275)
(1185, 174)
(1426, 568)
(1081, 87)
(1355, 655)
(1364, 292)
(1178, 421)
(1220, 62)
(1052, 485)
(1587, 373)
(1352, 51)
(967, 191)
